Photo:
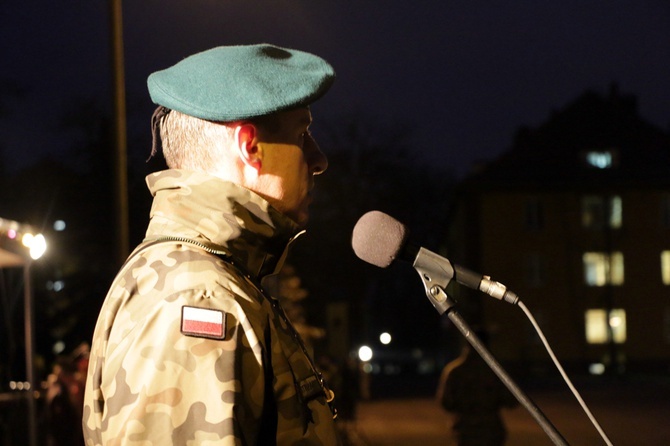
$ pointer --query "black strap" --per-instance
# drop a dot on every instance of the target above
(156, 119)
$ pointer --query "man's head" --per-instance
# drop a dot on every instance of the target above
(242, 113)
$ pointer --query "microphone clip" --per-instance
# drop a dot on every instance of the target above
(435, 273)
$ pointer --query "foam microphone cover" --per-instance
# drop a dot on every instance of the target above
(378, 238)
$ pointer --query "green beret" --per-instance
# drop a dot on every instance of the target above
(230, 83)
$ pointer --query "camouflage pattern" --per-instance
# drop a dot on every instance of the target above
(149, 384)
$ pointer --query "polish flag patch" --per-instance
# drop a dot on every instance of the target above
(203, 322)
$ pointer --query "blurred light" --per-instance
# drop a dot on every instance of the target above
(385, 338)
(365, 353)
(59, 225)
(19, 385)
(601, 160)
(426, 366)
(38, 246)
(596, 369)
(58, 347)
(27, 239)
(55, 285)
(58, 285)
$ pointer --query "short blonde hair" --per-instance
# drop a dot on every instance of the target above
(193, 143)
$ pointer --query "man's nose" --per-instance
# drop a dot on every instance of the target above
(316, 159)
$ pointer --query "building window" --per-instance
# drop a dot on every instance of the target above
(598, 326)
(616, 212)
(601, 159)
(534, 215)
(665, 267)
(602, 269)
(598, 211)
(534, 270)
(665, 211)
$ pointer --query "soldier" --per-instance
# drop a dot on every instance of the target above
(188, 347)
(470, 390)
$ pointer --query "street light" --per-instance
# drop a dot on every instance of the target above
(36, 244)
(19, 246)
(365, 353)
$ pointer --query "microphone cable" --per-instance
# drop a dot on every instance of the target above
(567, 380)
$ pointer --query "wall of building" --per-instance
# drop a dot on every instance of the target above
(542, 261)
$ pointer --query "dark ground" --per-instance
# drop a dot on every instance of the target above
(631, 410)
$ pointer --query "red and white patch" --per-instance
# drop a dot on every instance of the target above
(203, 322)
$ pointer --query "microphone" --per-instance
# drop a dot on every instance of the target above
(380, 239)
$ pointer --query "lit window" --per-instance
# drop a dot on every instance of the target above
(616, 212)
(602, 269)
(599, 326)
(600, 159)
(665, 267)
(598, 211)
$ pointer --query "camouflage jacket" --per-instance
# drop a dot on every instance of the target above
(188, 349)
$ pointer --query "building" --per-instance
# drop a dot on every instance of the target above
(575, 219)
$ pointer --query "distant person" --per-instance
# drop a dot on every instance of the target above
(63, 399)
(349, 393)
(189, 349)
(470, 390)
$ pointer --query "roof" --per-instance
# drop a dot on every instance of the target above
(597, 139)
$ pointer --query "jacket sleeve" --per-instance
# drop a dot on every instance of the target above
(159, 380)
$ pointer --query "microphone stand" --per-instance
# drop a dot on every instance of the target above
(443, 303)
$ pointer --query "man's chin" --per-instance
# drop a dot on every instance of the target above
(300, 218)
(302, 222)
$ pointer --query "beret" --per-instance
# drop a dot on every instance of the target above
(230, 83)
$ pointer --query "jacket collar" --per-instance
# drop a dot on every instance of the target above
(222, 215)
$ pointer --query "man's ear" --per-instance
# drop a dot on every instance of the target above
(246, 141)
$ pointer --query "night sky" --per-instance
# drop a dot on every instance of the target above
(461, 75)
